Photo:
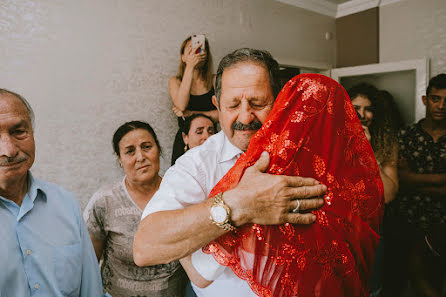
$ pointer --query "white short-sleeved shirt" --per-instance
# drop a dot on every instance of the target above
(189, 182)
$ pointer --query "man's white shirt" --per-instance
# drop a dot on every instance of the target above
(189, 182)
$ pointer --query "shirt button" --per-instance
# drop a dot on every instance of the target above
(36, 286)
(28, 252)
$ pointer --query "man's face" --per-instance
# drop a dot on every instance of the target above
(16, 139)
(246, 100)
(435, 103)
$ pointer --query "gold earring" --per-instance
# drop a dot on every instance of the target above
(185, 148)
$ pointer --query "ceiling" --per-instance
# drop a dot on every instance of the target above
(337, 1)
(337, 8)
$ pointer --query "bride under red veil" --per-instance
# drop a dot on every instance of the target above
(312, 131)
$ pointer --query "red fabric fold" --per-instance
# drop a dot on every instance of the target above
(312, 131)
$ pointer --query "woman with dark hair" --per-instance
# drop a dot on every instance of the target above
(196, 129)
(113, 213)
(381, 121)
(191, 89)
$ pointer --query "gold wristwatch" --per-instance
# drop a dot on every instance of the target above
(221, 213)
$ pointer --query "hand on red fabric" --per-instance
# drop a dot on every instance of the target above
(312, 131)
(273, 198)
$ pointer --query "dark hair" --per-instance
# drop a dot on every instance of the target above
(438, 82)
(386, 120)
(130, 126)
(205, 70)
(260, 57)
(187, 123)
(23, 100)
(366, 90)
(385, 125)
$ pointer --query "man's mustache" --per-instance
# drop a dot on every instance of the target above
(254, 125)
(5, 161)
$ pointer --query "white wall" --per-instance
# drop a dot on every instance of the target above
(87, 66)
(412, 29)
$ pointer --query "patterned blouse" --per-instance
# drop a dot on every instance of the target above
(112, 215)
(423, 156)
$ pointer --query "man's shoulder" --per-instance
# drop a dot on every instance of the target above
(55, 192)
(409, 130)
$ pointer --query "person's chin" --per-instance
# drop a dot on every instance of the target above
(242, 138)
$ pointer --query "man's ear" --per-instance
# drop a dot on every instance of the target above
(214, 101)
(424, 99)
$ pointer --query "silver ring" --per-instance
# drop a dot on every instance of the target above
(297, 207)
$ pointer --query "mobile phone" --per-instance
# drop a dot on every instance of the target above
(196, 39)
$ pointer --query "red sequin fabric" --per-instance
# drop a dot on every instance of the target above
(312, 131)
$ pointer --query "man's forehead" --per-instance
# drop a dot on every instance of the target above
(246, 76)
(11, 105)
(440, 92)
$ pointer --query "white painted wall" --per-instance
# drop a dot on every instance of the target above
(87, 66)
(412, 29)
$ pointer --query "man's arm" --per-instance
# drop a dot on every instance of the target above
(259, 198)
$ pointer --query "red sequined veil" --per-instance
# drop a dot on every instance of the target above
(312, 131)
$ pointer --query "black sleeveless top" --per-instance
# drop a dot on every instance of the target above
(200, 103)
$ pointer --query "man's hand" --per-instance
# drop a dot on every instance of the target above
(267, 199)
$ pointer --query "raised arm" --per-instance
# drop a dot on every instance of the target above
(179, 90)
(259, 198)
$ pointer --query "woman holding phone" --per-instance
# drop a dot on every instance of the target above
(191, 90)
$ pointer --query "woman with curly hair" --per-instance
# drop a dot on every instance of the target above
(381, 121)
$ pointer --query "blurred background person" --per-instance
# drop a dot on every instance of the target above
(196, 129)
(380, 120)
(113, 214)
(419, 212)
(191, 90)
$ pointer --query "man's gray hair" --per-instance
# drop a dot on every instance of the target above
(23, 100)
(260, 57)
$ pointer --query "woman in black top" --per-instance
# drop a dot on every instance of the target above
(191, 89)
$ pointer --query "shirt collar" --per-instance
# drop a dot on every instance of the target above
(228, 151)
(35, 185)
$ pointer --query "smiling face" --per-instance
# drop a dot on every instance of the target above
(17, 148)
(139, 156)
(200, 130)
(246, 100)
(436, 104)
(364, 109)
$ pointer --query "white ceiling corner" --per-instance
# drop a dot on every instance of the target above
(332, 9)
(320, 6)
(355, 6)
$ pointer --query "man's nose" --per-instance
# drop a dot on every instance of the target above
(361, 113)
(245, 115)
(442, 104)
(8, 148)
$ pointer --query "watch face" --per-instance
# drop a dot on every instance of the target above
(218, 214)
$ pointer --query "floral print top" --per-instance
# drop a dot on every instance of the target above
(424, 156)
